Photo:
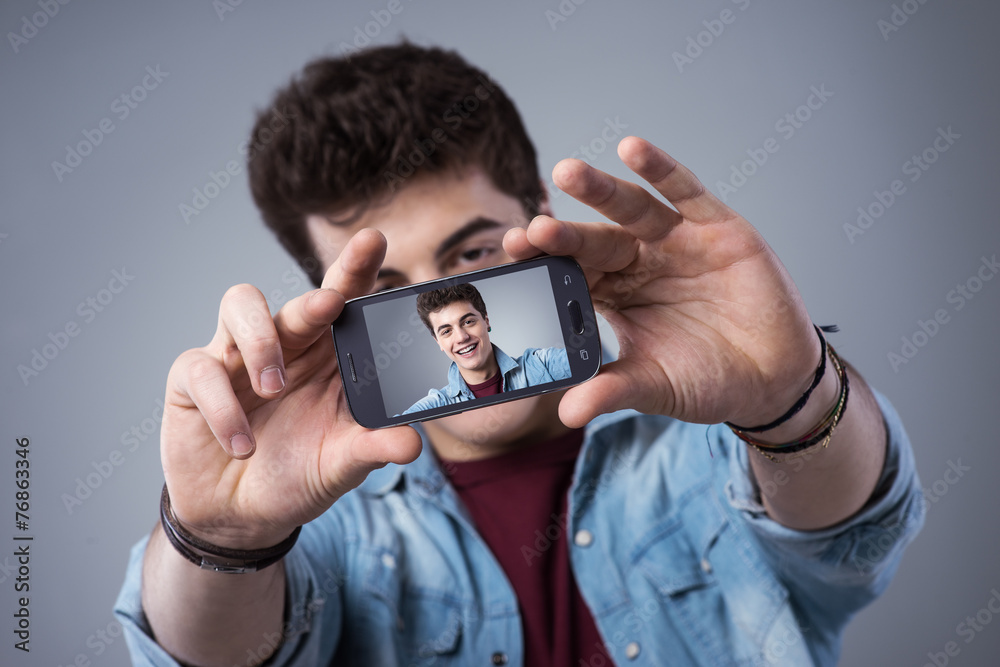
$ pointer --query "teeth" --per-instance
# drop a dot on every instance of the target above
(466, 350)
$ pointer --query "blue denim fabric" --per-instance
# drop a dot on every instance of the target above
(683, 566)
(534, 367)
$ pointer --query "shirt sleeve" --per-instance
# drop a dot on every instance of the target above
(314, 580)
(555, 361)
(434, 399)
(838, 570)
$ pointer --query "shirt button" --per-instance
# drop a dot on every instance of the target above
(583, 538)
(388, 561)
(499, 658)
(706, 567)
(632, 650)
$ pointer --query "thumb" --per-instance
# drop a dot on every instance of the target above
(370, 450)
(621, 384)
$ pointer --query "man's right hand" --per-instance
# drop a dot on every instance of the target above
(257, 437)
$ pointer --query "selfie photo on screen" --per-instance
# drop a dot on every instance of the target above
(458, 319)
(513, 330)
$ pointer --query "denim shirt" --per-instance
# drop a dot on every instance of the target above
(671, 548)
(534, 367)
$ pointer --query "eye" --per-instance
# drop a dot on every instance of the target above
(475, 254)
(386, 286)
(474, 257)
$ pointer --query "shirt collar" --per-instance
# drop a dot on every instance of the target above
(456, 383)
(425, 472)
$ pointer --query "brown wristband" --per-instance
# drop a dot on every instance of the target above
(208, 556)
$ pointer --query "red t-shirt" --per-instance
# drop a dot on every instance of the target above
(520, 504)
(489, 388)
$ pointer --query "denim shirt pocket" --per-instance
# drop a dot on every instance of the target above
(712, 584)
(424, 621)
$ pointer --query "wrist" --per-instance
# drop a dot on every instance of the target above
(215, 557)
(792, 394)
(822, 399)
(819, 435)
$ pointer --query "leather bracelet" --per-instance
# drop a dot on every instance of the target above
(821, 434)
(799, 404)
(208, 556)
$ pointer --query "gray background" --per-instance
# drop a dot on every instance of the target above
(522, 314)
(60, 241)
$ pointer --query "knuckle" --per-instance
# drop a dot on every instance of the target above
(202, 371)
(242, 293)
(182, 364)
(254, 326)
(259, 345)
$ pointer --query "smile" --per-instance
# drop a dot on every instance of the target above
(467, 351)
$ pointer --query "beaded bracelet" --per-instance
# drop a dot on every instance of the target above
(821, 434)
(799, 404)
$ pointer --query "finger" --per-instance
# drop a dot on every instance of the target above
(205, 381)
(372, 449)
(246, 326)
(673, 180)
(595, 245)
(620, 384)
(355, 271)
(628, 204)
(307, 317)
(517, 245)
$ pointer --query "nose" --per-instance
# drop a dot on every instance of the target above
(424, 274)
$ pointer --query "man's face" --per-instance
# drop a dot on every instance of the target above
(438, 226)
(462, 333)
(435, 226)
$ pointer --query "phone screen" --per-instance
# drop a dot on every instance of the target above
(537, 333)
(522, 316)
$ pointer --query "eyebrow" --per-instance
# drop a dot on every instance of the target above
(471, 228)
(448, 324)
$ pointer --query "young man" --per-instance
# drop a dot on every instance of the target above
(456, 317)
(604, 524)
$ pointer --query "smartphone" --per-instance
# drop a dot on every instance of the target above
(463, 342)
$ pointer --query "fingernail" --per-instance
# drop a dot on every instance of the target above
(240, 444)
(272, 380)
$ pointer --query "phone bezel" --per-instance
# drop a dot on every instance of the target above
(364, 393)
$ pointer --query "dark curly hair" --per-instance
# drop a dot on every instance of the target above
(349, 131)
(435, 300)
